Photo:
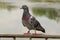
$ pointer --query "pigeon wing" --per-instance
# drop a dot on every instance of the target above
(33, 21)
(36, 24)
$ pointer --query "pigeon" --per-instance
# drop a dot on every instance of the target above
(30, 21)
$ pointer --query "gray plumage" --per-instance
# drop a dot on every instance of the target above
(29, 21)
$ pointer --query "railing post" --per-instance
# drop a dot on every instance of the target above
(30, 38)
(14, 38)
(46, 38)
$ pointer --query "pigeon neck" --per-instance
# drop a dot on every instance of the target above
(26, 11)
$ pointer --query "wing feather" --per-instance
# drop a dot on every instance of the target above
(33, 22)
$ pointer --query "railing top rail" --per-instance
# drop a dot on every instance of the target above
(30, 35)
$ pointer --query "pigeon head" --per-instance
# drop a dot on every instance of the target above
(25, 8)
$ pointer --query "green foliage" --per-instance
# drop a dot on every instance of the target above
(38, 11)
(35, 0)
(52, 14)
(6, 5)
(49, 12)
(45, 0)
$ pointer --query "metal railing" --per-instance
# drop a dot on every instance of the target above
(30, 36)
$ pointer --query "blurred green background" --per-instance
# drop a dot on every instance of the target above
(51, 13)
(45, 0)
(7, 5)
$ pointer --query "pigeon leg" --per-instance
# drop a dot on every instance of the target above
(35, 31)
(28, 31)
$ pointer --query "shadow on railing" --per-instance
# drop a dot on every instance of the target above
(30, 36)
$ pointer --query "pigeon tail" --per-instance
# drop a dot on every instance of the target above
(40, 29)
(43, 31)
